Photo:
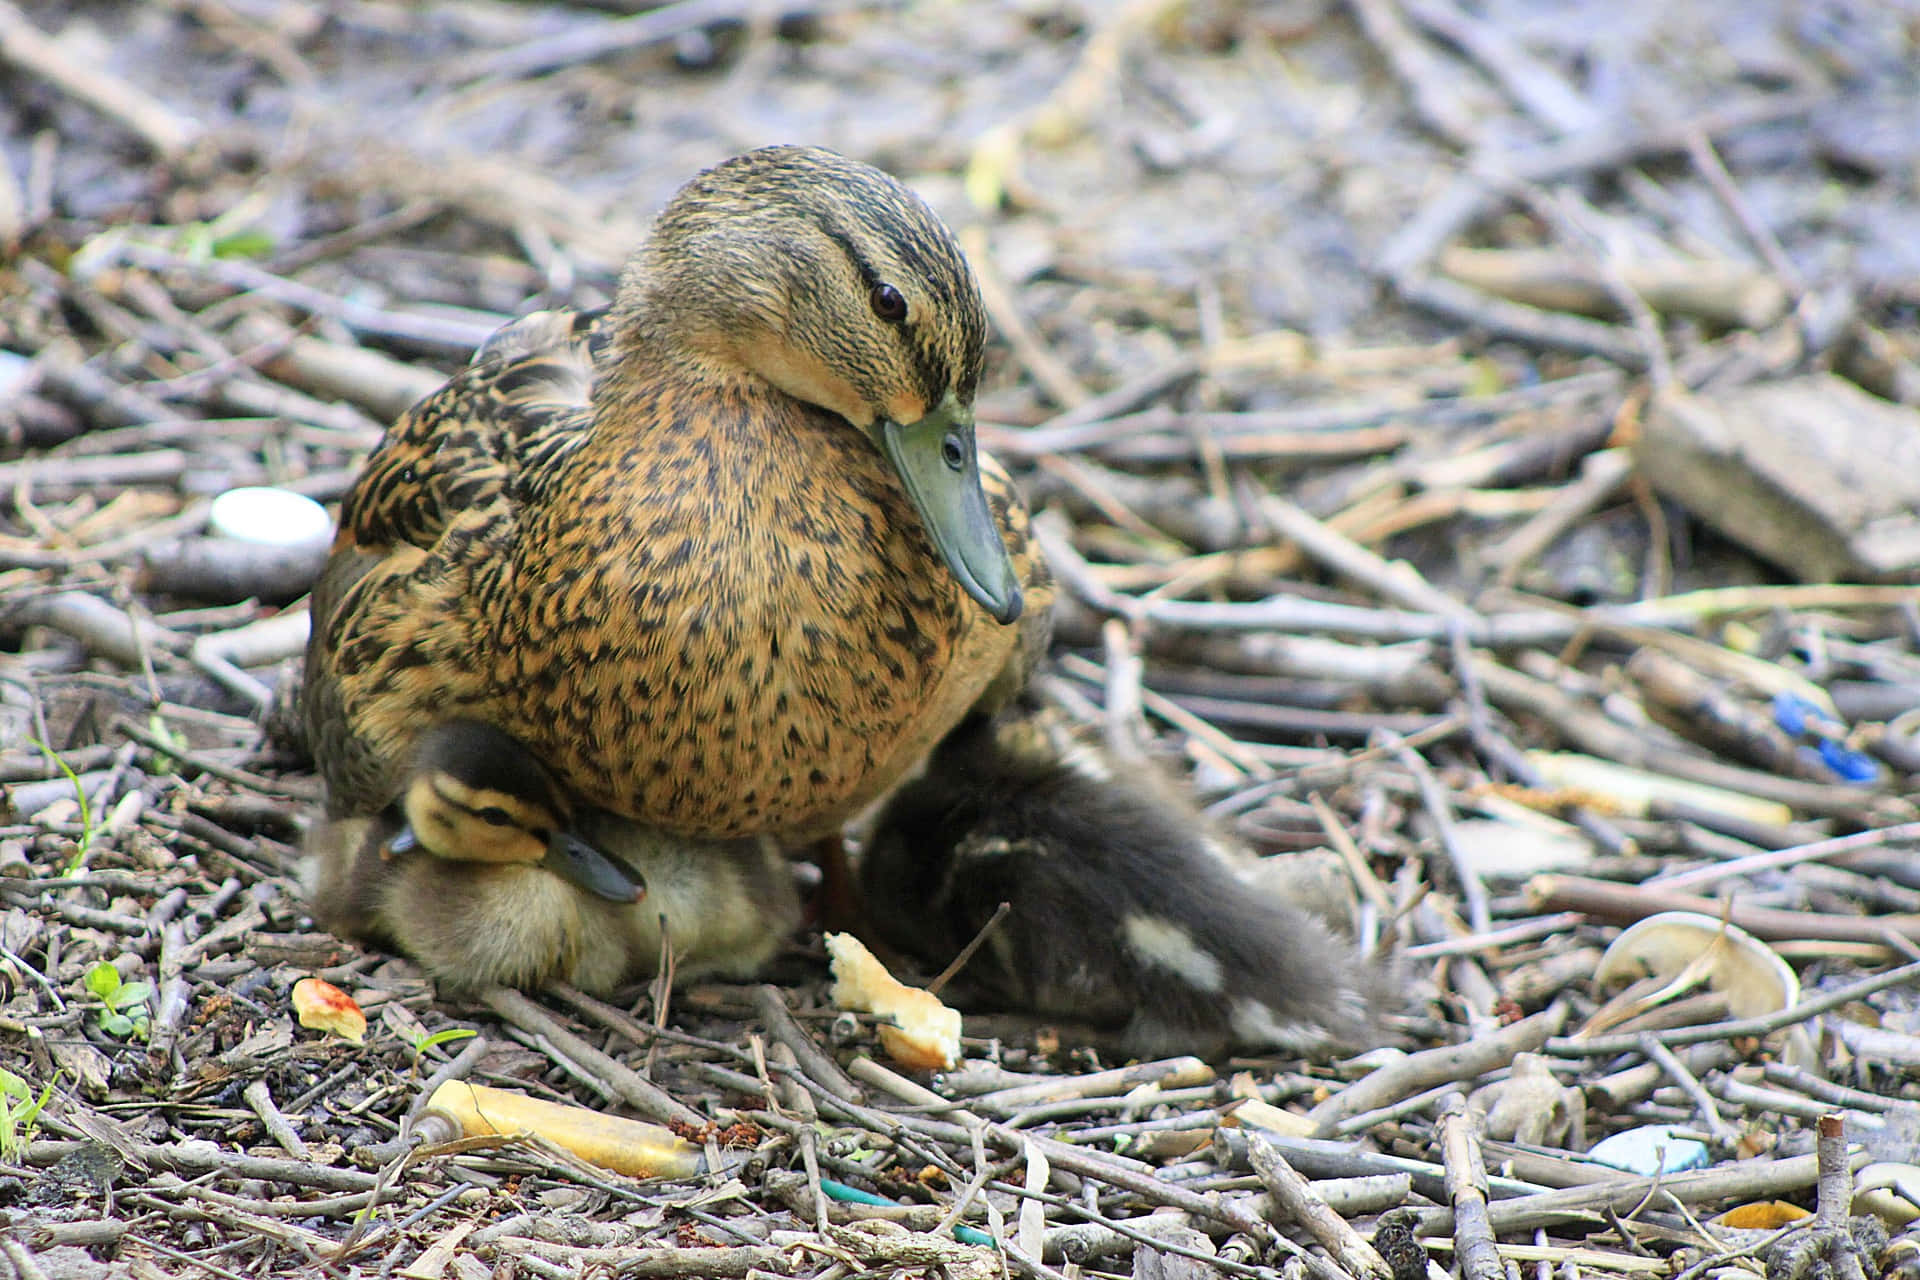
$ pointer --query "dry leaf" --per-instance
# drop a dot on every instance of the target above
(1666, 946)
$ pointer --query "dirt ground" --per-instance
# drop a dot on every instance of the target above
(1478, 445)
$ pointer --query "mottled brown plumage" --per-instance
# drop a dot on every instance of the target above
(660, 548)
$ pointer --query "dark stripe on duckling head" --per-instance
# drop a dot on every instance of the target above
(475, 758)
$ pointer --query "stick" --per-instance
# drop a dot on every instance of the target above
(33, 51)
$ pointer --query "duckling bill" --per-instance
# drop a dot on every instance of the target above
(1124, 911)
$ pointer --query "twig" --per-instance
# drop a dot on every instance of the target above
(1606, 1046)
(1533, 85)
(773, 1011)
(1773, 859)
(1033, 354)
(1723, 1133)
(1440, 813)
(1421, 1071)
(632, 1088)
(1436, 95)
(1743, 1180)
(1396, 582)
(1625, 903)
(158, 125)
(1473, 1242)
(1295, 1196)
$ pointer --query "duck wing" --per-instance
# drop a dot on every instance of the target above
(524, 396)
(437, 494)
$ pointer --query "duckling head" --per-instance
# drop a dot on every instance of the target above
(475, 795)
(840, 287)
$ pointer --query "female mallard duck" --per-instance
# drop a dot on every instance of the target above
(725, 557)
(476, 874)
(1124, 911)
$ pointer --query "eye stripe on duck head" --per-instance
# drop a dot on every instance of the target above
(944, 332)
(744, 249)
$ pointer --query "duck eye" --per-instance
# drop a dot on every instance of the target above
(494, 817)
(953, 452)
(888, 303)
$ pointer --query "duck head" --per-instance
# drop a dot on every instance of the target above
(839, 286)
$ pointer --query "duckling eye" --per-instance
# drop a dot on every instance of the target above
(953, 452)
(494, 817)
(888, 303)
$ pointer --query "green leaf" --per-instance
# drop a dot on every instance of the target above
(117, 1025)
(250, 243)
(442, 1037)
(26, 1115)
(80, 797)
(132, 994)
(162, 762)
(103, 980)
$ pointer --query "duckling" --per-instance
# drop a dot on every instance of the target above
(723, 906)
(725, 557)
(475, 795)
(1125, 910)
(474, 874)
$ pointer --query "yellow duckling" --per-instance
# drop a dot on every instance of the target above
(1125, 910)
(475, 795)
(724, 558)
(474, 874)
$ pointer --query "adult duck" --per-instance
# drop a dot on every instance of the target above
(725, 557)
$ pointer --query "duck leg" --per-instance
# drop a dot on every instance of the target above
(836, 905)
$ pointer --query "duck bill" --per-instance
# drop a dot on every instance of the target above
(940, 467)
(576, 861)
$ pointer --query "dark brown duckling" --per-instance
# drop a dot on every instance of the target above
(1126, 910)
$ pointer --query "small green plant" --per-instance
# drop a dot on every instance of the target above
(424, 1043)
(124, 1004)
(157, 726)
(231, 235)
(85, 842)
(19, 1113)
